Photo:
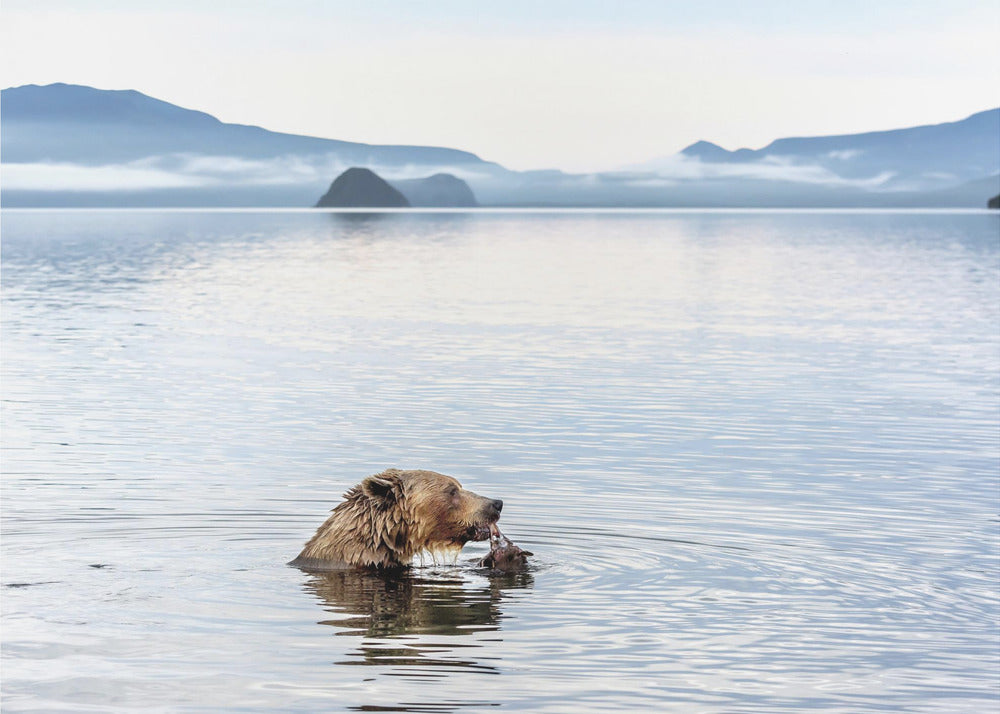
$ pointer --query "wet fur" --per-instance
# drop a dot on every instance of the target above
(390, 517)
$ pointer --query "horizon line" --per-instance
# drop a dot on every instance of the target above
(492, 210)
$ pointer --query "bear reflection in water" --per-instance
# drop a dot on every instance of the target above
(378, 606)
(392, 604)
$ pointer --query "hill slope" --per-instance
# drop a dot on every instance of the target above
(64, 122)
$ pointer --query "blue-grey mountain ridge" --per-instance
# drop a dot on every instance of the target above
(71, 145)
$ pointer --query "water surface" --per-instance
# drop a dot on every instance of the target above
(755, 454)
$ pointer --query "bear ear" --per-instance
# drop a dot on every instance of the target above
(383, 488)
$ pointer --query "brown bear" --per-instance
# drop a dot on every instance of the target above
(390, 517)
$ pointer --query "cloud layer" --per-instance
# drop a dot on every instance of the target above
(195, 171)
(672, 169)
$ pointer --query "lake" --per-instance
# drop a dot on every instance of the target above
(755, 453)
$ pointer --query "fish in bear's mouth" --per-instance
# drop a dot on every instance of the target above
(483, 532)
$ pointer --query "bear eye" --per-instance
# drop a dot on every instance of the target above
(453, 491)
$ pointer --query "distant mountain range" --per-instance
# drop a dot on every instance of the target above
(69, 145)
(64, 122)
(903, 159)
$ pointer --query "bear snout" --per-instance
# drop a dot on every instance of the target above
(486, 518)
(489, 510)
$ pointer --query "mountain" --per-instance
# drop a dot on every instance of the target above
(439, 190)
(65, 122)
(69, 145)
(926, 157)
(361, 188)
(713, 153)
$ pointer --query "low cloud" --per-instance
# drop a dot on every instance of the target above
(199, 171)
(317, 171)
(844, 154)
(75, 177)
(671, 170)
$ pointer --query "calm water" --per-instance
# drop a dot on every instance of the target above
(756, 456)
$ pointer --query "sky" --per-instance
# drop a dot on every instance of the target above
(578, 86)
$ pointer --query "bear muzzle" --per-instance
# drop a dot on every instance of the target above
(483, 529)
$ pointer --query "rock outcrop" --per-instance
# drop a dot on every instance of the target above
(994, 202)
(361, 188)
(437, 191)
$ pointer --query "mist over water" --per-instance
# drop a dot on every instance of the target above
(755, 455)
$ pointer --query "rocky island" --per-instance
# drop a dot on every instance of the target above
(437, 191)
(361, 188)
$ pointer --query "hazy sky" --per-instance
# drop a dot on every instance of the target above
(576, 85)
